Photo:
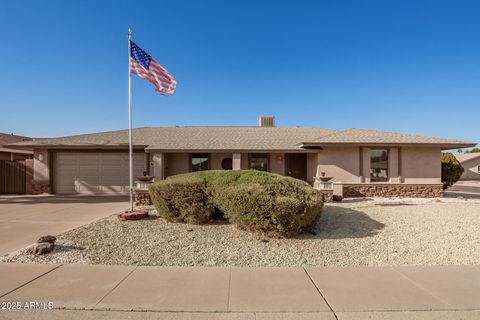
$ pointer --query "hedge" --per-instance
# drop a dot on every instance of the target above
(182, 201)
(452, 170)
(257, 201)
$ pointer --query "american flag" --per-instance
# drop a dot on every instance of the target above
(142, 64)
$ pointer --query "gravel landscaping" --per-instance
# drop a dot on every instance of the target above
(64, 251)
(371, 232)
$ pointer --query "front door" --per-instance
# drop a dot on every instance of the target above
(296, 165)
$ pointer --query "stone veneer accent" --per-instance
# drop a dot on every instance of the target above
(39, 187)
(393, 190)
(142, 197)
(327, 195)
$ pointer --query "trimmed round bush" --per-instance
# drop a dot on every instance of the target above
(182, 201)
(452, 170)
(253, 200)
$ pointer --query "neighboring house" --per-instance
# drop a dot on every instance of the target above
(364, 162)
(13, 154)
(15, 166)
(471, 164)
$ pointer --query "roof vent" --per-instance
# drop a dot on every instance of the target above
(266, 121)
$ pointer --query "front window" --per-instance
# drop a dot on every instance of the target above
(379, 165)
(199, 161)
(259, 161)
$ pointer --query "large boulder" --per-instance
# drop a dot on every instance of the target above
(49, 239)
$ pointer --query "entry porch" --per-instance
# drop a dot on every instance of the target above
(298, 165)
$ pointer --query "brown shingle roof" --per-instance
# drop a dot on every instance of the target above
(6, 138)
(366, 137)
(191, 138)
(236, 138)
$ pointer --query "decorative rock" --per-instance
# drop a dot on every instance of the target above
(134, 215)
(49, 238)
(142, 198)
(40, 248)
(337, 197)
(327, 195)
(39, 187)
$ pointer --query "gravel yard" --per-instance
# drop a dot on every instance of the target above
(367, 232)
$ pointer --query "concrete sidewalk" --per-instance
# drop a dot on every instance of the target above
(113, 292)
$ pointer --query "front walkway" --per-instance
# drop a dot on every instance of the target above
(23, 219)
(112, 292)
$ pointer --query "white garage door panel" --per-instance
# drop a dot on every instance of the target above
(95, 172)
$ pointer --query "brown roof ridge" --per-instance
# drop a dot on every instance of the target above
(223, 126)
(336, 132)
(387, 132)
(87, 134)
(7, 138)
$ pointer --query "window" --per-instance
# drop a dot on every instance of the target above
(199, 161)
(379, 165)
(259, 161)
(478, 169)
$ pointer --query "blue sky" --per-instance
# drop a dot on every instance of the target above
(409, 66)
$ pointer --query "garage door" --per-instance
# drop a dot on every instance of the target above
(95, 172)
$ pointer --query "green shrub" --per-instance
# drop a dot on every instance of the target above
(250, 199)
(184, 201)
(474, 150)
(452, 170)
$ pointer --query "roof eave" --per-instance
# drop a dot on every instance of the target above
(242, 150)
(22, 151)
(443, 146)
(76, 147)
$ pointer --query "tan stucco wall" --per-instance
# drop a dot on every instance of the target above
(471, 169)
(365, 163)
(177, 163)
(157, 165)
(277, 163)
(341, 163)
(421, 165)
(393, 163)
(244, 161)
(312, 160)
(216, 160)
(41, 168)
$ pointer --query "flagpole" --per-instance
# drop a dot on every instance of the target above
(130, 147)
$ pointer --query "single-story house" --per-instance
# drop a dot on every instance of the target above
(13, 154)
(15, 165)
(471, 164)
(363, 162)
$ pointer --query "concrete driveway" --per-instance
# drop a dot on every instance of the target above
(466, 189)
(25, 218)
